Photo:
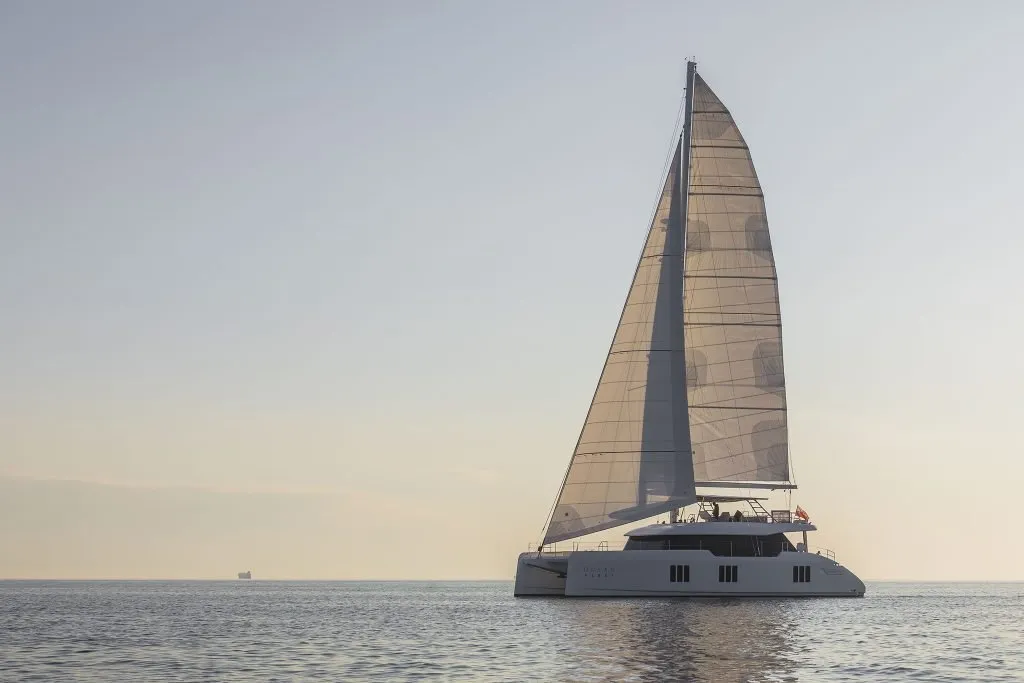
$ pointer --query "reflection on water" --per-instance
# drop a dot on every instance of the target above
(352, 631)
(711, 639)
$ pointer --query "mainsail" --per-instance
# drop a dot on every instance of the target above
(692, 388)
(736, 387)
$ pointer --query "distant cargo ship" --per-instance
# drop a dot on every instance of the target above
(245, 575)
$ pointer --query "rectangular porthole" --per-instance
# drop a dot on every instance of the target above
(721, 573)
(796, 574)
(686, 573)
(807, 574)
(672, 574)
(735, 574)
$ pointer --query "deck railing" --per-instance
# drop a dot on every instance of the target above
(574, 546)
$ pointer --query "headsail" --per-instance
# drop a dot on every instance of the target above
(633, 457)
(736, 387)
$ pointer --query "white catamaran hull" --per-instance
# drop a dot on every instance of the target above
(645, 573)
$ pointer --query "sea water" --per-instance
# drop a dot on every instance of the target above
(476, 631)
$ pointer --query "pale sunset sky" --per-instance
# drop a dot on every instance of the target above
(323, 289)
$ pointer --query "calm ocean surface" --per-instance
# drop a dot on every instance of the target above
(356, 631)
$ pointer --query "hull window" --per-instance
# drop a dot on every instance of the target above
(679, 573)
(728, 573)
(802, 574)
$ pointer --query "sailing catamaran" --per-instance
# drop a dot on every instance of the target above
(691, 403)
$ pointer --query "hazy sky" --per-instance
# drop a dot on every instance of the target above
(323, 289)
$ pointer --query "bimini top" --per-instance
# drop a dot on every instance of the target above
(712, 498)
(720, 529)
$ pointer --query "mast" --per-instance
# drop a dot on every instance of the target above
(684, 158)
(679, 387)
(684, 212)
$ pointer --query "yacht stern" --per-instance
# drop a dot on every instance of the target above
(541, 574)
